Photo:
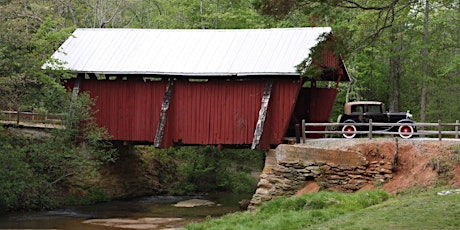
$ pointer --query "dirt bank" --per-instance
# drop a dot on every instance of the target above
(420, 162)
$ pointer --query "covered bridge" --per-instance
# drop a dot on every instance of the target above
(205, 87)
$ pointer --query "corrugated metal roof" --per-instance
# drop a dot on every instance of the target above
(188, 52)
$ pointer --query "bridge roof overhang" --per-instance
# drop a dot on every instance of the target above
(193, 53)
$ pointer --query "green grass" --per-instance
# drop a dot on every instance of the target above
(361, 210)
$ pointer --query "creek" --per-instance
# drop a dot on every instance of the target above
(158, 211)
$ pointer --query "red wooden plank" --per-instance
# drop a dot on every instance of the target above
(129, 109)
(282, 103)
(215, 112)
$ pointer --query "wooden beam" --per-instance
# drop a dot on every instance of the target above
(76, 88)
(262, 113)
(163, 113)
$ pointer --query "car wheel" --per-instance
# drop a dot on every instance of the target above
(405, 131)
(349, 128)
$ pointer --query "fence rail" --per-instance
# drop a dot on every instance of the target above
(438, 129)
(31, 119)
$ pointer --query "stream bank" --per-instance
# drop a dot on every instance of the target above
(144, 171)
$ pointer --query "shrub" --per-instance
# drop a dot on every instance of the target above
(193, 169)
(34, 171)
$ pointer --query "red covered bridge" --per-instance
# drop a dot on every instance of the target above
(206, 87)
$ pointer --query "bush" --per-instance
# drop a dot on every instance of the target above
(192, 169)
(34, 171)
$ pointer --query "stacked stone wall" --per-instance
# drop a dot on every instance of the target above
(290, 167)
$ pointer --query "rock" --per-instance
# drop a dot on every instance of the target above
(310, 187)
(244, 204)
(141, 223)
(193, 203)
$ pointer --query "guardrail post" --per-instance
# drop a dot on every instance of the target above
(439, 130)
(370, 129)
(303, 131)
(456, 129)
(18, 117)
(297, 133)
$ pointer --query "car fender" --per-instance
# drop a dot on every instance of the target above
(395, 128)
(405, 121)
(349, 121)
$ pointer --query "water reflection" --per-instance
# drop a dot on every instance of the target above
(146, 207)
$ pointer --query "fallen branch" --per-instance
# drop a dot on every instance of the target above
(61, 178)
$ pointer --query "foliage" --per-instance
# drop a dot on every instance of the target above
(207, 168)
(36, 172)
(30, 33)
(300, 212)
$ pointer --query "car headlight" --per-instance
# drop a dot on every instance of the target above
(408, 114)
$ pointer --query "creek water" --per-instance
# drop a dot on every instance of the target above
(153, 207)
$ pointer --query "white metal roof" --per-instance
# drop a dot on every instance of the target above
(188, 52)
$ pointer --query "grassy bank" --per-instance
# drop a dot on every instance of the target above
(361, 210)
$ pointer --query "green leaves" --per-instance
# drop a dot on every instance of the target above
(207, 168)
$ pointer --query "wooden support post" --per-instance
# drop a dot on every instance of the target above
(370, 129)
(439, 130)
(395, 159)
(303, 131)
(163, 113)
(262, 113)
(297, 133)
(456, 129)
(76, 88)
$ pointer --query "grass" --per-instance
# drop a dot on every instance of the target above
(361, 210)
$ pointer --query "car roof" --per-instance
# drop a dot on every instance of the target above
(347, 107)
(364, 103)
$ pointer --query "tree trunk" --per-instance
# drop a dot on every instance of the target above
(425, 53)
(395, 70)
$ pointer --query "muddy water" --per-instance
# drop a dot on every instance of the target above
(154, 207)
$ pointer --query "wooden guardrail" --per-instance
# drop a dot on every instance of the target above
(438, 129)
(30, 119)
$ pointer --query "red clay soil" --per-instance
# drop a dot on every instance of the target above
(420, 163)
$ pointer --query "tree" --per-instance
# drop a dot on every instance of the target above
(14, 93)
(425, 58)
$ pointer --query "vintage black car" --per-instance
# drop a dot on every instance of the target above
(363, 111)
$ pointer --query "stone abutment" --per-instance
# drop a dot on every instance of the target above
(289, 169)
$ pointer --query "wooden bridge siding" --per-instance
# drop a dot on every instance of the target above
(226, 112)
(129, 109)
(214, 112)
(320, 107)
(321, 103)
(280, 110)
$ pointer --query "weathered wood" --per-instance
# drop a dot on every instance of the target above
(395, 158)
(303, 131)
(163, 113)
(456, 129)
(370, 128)
(439, 130)
(262, 113)
(297, 133)
(76, 88)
